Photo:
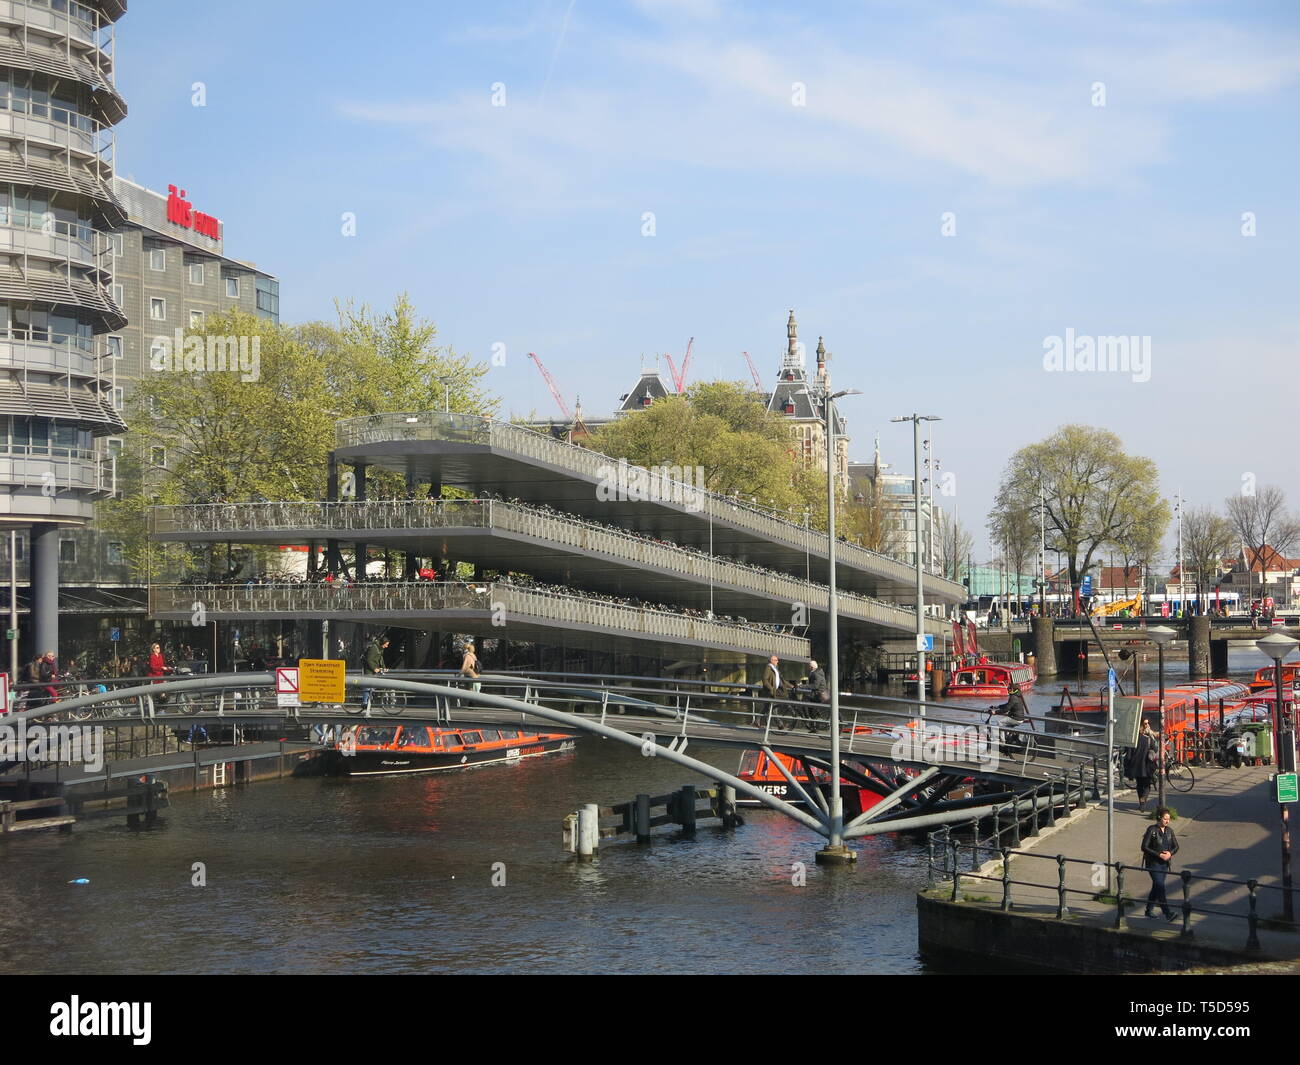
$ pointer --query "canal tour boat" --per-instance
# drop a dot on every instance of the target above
(1266, 677)
(389, 750)
(990, 680)
(857, 794)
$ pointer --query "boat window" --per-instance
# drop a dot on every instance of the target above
(414, 737)
(509, 734)
(376, 737)
(468, 738)
(748, 763)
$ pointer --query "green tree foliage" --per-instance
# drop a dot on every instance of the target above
(264, 432)
(1095, 496)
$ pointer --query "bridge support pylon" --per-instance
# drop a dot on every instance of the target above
(1044, 647)
(1198, 646)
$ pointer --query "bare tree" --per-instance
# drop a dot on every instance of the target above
(1207, 538)
(953, 546)
(1262, 521)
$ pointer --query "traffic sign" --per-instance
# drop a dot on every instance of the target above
(321, 680)
(1111, 681)
(286, 686)
(925, 643)
(114, 634)
(1085, 588)
(1288, 787)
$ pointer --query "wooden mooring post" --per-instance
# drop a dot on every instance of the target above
(583, 831)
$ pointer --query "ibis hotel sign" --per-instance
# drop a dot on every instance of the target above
(181, 212)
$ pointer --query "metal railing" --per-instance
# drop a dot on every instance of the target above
(475, 429)
(428, 597)
(372, 517)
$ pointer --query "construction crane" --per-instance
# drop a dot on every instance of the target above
(758, 383)
(679, 379)
(555, 389)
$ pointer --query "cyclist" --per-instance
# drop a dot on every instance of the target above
(374, 665)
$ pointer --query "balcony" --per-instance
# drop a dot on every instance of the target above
(57, 354)
(493, 610)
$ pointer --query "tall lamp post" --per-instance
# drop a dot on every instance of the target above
(916, 420)
(1278, 647)
(1162, 635)
(835, 852)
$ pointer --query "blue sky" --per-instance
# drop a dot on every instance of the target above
(522, 224)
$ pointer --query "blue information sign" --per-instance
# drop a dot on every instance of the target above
(1086, 587)
(114, 634)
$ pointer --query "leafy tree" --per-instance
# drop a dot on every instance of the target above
(1094, 495)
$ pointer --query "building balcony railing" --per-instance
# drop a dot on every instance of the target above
(67, 18)
(473, 429)
(501, 600)
(361, 519)
(51, 125)
(53, 353)
(57, 469)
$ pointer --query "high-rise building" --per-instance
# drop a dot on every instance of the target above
(58, 107)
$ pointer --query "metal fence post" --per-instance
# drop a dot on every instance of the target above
(1033, 813)
(1015, 824)
(1186, 877)
(956, 871)
(1006, 879)
(1252, 937)
(1119, 894)
(1051, 803)
(1060, 887)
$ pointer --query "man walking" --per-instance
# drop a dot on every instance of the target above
(773, 685)
(374, 664)
(1159, 845)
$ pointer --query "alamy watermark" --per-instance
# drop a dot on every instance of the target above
(207, 354)
(21, 742)
(1081, 353)
(659, 484)
(945, 744)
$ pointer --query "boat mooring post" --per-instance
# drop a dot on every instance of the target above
(588, 831)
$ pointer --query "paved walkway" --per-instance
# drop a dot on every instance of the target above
(1228, 826)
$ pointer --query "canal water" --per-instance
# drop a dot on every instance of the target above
(396, 875)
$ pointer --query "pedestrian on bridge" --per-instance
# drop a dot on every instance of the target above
(1159, 845)
(773, 685)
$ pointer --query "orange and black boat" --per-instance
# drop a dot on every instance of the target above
(1266, 677)
(386, 750)
(861, 785)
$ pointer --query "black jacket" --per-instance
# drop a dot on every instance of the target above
(1155, 840)
(817, 680)
(1140, 765)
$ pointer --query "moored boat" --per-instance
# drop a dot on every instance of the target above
(387, 750)
(990, 680)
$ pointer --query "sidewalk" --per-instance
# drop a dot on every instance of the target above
(1228, 826)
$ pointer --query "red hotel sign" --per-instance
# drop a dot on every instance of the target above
(181, 212)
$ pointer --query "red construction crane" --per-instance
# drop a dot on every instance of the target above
(555, 389)
(679, 379)
(758, 383)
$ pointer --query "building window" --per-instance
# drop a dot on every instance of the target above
(196, 273)
(119, 295)
(232, 288)
(21, 544)
(158, 259)
(115, 553)
(158, 349)
(115, 347)
(115, 240)
(67, 550)
(158, 456)
(157, 308)
(119, 398)
(196, 319)
(114, 447)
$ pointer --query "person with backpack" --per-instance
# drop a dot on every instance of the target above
(373, 665)
(1159, 845)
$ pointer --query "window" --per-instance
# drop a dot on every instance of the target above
(196, 318)
(119, 398)
(114, 446)
(196, 273)
(67, 550)
(119, 295)
(157, 308)
(21, 542)
(232, 288)
(115, 553)
(157, 258)
(115, 347)
(117, 243)
(158, 456)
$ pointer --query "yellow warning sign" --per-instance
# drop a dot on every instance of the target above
(320, 680)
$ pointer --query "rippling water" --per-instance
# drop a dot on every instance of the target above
(394, 875)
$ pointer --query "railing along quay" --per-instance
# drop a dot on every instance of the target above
(321, 520)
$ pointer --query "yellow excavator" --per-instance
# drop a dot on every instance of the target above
(1107, 610)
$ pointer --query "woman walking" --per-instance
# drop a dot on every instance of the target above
(1141, 764)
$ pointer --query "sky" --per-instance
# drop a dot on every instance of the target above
(936, 188)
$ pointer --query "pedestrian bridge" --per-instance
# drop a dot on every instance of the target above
(911, 754)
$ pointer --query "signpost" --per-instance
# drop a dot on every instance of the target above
(1111, 684)
(1288, 787)
(321, 680)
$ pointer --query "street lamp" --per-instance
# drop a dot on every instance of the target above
(446, 383)
(916, 420)
(1162, 635)
(835, 852)
(1278, 647)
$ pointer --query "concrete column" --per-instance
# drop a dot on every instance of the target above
(44, 561)
(1044, 646)
(1198, 646)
